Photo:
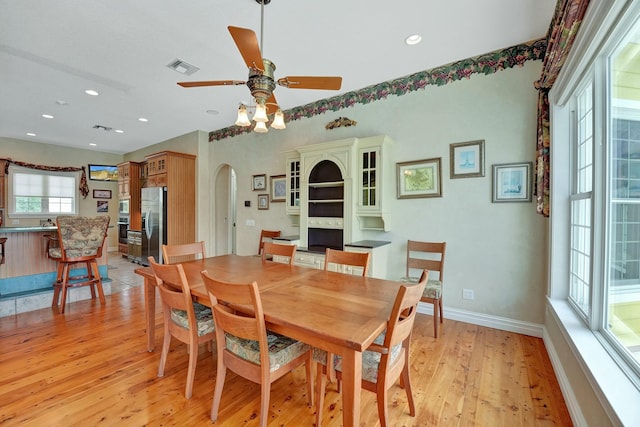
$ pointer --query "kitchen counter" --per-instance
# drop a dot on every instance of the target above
(27, 229)
(368, 244)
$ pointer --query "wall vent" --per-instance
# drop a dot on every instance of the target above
(182, 67)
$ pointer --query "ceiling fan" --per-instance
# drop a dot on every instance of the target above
(261, 81)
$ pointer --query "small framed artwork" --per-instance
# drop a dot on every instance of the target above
(263, 201)
(101, 194)
(259, 182)
(103, 173)
(512, 182)
(467, 159)
(102, 206)
(420, 178)
(278, 188)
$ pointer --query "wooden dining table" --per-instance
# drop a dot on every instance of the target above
(336, 312)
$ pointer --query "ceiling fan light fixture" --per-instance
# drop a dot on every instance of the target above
(278, 120)
(261, 112)
(260, 127)
(243, 118)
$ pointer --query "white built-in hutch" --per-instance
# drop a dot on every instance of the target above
(336, 192)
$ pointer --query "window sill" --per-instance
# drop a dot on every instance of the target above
(616, 392)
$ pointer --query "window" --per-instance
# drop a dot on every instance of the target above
(36, 193)
(580, 269)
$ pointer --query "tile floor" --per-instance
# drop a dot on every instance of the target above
(121, 273)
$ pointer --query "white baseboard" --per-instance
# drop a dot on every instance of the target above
(496, 322)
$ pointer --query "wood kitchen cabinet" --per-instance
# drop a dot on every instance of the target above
(177, 172)
(374, 183)
(129, 184)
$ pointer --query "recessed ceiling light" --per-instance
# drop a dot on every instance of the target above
(142, 119)
(413, 39)
(91, 92)
(119, 131)
(31, 134)
(93, 144)
(47, 116)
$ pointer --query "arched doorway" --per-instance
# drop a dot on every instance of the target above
(225, 211)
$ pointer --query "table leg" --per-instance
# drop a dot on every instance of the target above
(150, 313)
(351, 382)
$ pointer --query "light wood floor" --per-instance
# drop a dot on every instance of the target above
(89, 367)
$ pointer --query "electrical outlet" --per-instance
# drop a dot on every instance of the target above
(250, 223)
(467, 294)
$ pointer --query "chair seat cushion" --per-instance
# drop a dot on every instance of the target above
(282, 349)
(370, 359)
(73, 253)
(432, 290)
(204, 317)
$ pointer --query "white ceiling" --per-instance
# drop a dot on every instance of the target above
(54, 50)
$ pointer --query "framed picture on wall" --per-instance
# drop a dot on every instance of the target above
(466, 159)
(512, 182)
(263, 201)
(419, 178)
(259, 182)
(102, 206)
(278, 188)
(101, 194)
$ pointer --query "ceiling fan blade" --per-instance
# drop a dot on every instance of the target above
(212, 83)
(311, 82)
(247, 43)
(272, 105)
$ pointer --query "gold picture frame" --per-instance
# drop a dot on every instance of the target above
(419, 178)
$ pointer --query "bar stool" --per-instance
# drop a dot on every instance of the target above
(81, 240)
(2, 242)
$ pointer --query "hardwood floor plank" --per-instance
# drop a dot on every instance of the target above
(90, 367)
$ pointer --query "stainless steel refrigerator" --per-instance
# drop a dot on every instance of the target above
(154, 223)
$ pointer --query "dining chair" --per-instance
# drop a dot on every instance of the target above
(80, 241)
(386, 360)
(346, 261)
(173, 254)
(266, 234)
(430, 256)
(247, 347)
(188, 321)
(276, 252)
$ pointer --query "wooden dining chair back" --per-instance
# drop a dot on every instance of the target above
(356, 263)
(80, 241)
(173, 254)
(430, 256)
(266, 234)
(386, 360)
(278, 253)
(190, 322)
(246, 347)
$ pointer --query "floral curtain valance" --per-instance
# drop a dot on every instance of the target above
(84, 187)
(560, 37)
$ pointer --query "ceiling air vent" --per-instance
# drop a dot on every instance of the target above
(183, 67)
(104, 128)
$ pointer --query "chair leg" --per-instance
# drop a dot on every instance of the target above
(381, 397)
(265, 391)
(165, 349)
(65, 281)
(405, 379)
(321, 380)
(57, 284)
(435, 319)
(217, 393)
(96, 275)
(191, 371)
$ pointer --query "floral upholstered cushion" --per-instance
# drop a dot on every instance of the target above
(432, 290)
(370, 359)
(204, 317)
(282, 349)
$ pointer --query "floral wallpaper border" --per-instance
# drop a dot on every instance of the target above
(488, 63)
